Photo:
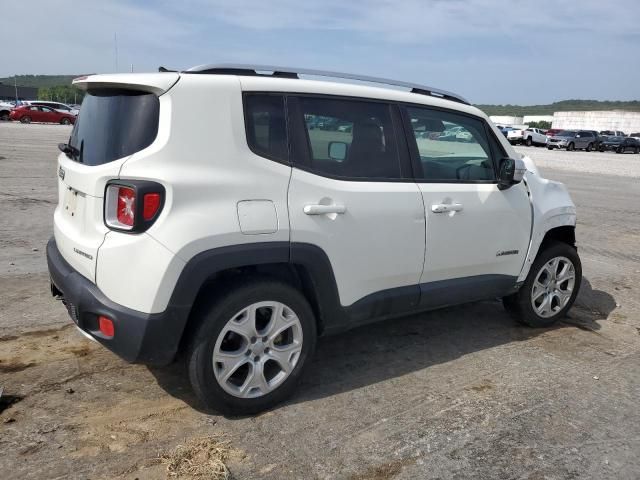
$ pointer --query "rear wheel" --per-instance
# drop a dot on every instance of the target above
(251, 347)
(550, 288)
(589, 147)
(571, 147)
(25, 119)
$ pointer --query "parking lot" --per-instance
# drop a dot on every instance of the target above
(458, 393)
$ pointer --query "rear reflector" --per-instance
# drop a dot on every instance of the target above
(106, 326)
(151, 205)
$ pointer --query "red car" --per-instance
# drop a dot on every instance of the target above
(39, 113)
(552, 132)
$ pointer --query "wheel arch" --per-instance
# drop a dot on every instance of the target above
(303, 266)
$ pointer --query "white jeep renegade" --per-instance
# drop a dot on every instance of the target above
(233, 214)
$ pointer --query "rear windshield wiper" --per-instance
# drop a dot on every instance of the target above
(70, 151)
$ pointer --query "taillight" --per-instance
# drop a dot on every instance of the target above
(125, 206)
(132, 205)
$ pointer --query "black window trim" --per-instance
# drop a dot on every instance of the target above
(300, 135)
(299, 150)
(415, 154)
(245, 113)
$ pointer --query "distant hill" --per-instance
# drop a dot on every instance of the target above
(40, 81)
(52, 81)
(564, 105)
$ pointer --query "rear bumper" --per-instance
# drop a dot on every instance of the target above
(139, 337)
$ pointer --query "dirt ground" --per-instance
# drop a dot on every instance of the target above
(458, 393)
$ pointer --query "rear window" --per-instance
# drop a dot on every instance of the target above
(113, 124)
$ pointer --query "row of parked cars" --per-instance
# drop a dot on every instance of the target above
(28, 111)
(606, 140)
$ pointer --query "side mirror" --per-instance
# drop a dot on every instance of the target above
(510, 172)
(338, 151)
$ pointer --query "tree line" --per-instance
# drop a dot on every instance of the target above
(61, 93)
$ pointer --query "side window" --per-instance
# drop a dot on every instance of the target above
(351, 139)
(266, 126)
(451, 147)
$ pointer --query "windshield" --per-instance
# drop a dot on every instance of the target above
(113, 124)
(614, 139)
(567, 133)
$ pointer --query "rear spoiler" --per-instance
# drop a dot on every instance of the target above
(157, 83)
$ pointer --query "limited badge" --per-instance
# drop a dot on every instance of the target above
(61, 173)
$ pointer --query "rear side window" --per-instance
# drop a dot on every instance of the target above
(114, 124)
(451, 147)
(266, 126)
(350, 139)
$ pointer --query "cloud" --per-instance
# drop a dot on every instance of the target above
(489, 50)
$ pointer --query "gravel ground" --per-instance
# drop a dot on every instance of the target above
(458, 393)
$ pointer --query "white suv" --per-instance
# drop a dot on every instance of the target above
(233, 214)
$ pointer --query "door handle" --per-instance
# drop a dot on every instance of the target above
(446, 207)
(323, 209)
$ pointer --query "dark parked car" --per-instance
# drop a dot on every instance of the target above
(620, 145)
(598, 139)
(39, 113)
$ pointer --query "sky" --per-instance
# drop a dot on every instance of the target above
(489, 51)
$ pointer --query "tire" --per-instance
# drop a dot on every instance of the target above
(549, 148)
(65, 121)
(571, 147)
(636, 150)
(619, 150)
(218, 324)
(528, 142)
(25, 119)
(4, 116)
(589, 147)
(524, 307)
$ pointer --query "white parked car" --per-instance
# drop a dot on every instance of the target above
(5, 110)
(238, 235)
(60, 107)
(527, 136)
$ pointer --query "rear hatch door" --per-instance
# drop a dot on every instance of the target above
(116, 120)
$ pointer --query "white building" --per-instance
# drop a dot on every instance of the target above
(628, 122)
(537, 118)
(506, 120)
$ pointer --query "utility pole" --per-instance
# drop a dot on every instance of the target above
(15, 85)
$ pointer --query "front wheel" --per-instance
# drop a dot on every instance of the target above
(528, 142)
(550, 288)
(65, 121)
(571, 147)
(251, 347)
(25, 119)
(589, 147)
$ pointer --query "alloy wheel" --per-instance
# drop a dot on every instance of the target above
(553, 287)
(257, 349)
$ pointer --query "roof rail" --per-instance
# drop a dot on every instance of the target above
(289, 72)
